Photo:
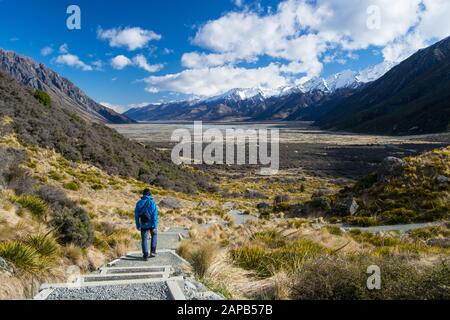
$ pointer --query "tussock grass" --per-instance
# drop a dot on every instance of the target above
(344, 277)
(22, 256)
(74, 186)
(37, 207)
(266, 261)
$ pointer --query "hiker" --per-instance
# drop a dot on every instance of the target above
(146, 217)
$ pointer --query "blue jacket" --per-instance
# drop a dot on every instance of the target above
(152, 212)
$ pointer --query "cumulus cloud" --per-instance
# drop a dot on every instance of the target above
(46, 51)
(64, 48)
(130, 38)
(120, 62)
(142, 63)
(72, 60)
(212, 81)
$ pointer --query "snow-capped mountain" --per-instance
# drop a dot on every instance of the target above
(261, 103)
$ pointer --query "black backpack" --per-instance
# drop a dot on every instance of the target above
(143, 214)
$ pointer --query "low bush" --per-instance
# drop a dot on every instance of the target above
(345, 278)
(74, 186)
(20, 255)
(37, 207)
(265, 261)
(361, 221)
(74, 226)
(43, 98)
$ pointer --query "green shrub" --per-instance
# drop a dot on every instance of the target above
(271, 238)
(335, 230)
(398, 216)
(265, 261)
(72, 186)
(37, 207)
(43, 245)
(22, 256)
(344, 278)
(43, 98)
(361, 221)
(74, 226)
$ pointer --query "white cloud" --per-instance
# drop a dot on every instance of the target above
(98, 64)
(238, 3)
(130, 38)
(64, 48)
(46, 51)
(142, 63)
(302, 35)
(72, 60)
(212, 81)
(120, 62)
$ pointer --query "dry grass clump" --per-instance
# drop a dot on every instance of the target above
(199, 254)
(345, 277)
(268, 257)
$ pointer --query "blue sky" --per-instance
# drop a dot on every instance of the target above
(132, 52)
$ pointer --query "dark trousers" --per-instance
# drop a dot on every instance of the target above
(154, 240)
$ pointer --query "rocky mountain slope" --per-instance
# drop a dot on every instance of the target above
(412, 98)
(62, 91)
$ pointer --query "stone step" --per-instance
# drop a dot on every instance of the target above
(122, 270)
(168, 289)
(122, 276)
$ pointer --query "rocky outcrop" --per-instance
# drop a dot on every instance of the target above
(390, 167)
(254, 194)
(170, 203)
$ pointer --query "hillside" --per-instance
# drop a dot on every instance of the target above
(412, 98)
(81, 140)
(401, 191)
(62, 91)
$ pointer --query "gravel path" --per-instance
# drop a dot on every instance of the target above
(162, 259)
(145, 291)
(168, 241)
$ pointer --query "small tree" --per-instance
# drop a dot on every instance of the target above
(43, 98)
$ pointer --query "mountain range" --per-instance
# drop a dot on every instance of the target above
(259, 103)
(412, 97)
(61, 90)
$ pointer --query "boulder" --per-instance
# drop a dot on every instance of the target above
(262, 206)
(439, 242)
(254, 194)
(281, 199)
(390, 167)
(206, 204)
(228, 206)
(322, 192)
(346, 206)
(5, 268)
(442, 179)
(170, 203)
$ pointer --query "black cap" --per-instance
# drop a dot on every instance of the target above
(147, 192)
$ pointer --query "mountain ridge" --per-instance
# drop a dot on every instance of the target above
(38, 76)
